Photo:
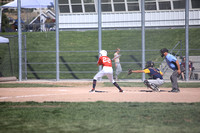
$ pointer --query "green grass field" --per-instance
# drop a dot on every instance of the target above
(88, 41)
(99, 117)
(105, 84)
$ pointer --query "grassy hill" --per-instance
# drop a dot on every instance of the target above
(41, 47)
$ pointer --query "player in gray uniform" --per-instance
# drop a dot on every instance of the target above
(117, 63)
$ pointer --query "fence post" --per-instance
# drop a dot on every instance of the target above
(186, 39)
(57, 42)
(99, 30)
(143, 35)
(25, 57)
(19, 38)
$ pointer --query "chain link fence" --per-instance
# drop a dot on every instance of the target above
(79, 51)
(121, 28)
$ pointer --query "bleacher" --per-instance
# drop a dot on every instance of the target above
(195, 73)
(196, 64)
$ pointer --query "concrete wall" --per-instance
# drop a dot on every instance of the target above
(128, 19)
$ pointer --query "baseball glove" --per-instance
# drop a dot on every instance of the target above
(129, 71)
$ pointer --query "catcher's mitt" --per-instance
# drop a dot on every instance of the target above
(129, 71)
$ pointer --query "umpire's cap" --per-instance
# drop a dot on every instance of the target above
(162, 51)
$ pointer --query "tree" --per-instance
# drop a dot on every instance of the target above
(5, 23)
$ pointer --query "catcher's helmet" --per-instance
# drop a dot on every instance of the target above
(103, 53)
(162, 51)
(149, 64)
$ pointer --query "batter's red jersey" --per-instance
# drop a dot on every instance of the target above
(105, 61)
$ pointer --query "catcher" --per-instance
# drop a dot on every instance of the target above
(156, 76)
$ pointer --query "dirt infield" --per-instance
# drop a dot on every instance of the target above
(111, 94)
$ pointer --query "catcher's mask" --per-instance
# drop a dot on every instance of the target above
(103, 53)
(149, 64)
(162, 51)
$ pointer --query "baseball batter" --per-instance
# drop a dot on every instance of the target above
(107, 70)
(117, 63)
(156, 76)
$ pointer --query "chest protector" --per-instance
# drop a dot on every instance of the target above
(154, 73)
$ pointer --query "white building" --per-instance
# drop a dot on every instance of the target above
(82, 14)
(39, 21)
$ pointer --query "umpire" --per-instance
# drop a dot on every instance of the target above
(174, 64)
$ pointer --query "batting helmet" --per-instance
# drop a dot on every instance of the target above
(162, 51)
(103, 53)
(149, 64)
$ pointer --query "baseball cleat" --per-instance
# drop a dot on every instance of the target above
(156, 89)
(93, 90)
(121, 90)
(174, 90)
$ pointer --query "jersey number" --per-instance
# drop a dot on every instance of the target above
(106, 60)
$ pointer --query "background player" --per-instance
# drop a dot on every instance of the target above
(107, 70)
(156, 76)
(118, 68)
(174, 64)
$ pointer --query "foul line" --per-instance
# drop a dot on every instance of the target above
(25, 96)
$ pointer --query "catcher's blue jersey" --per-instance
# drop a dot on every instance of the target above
(153, 72)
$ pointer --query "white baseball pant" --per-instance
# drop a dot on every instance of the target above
(106, 71)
